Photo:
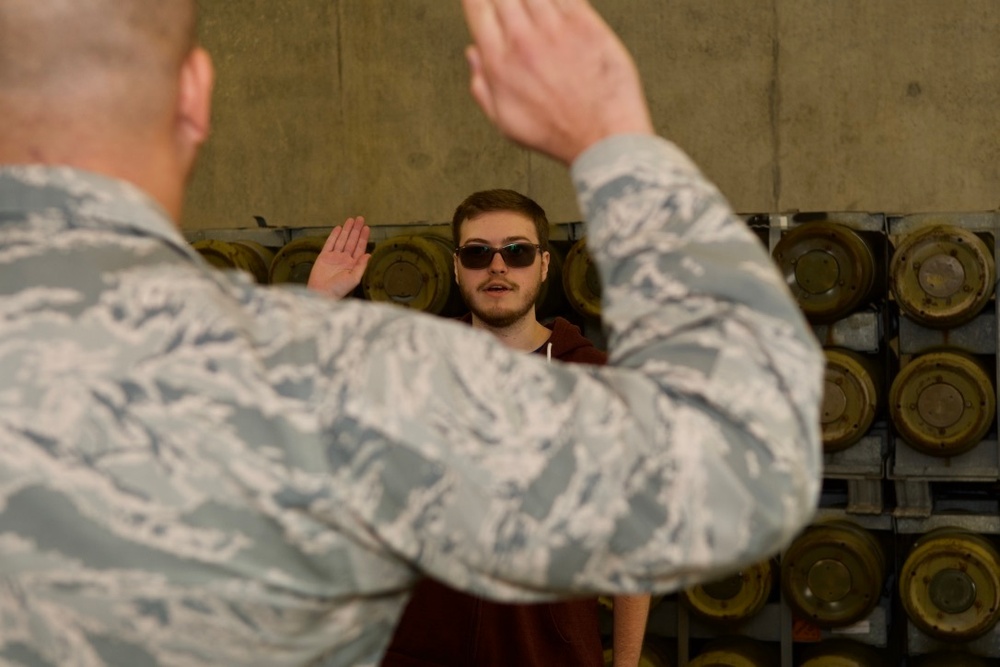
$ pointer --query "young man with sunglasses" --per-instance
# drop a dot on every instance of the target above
(501, 261)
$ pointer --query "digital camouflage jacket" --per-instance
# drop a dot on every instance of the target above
(197, 470)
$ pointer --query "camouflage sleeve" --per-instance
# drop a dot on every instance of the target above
(694, 452)
(198, 470)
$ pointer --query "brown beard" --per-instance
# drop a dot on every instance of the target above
(502, 319)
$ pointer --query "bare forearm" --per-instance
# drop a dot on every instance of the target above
(630, 613)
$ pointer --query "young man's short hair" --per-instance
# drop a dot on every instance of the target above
(488, 201)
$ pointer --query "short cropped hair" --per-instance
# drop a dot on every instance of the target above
(488, 201)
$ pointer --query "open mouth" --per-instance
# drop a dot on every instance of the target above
(497, 289)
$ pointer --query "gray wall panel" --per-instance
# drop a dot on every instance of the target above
(334, 108)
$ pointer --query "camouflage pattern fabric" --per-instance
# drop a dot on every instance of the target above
(196, 470)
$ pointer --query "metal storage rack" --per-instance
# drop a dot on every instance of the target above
(916, 475)
(863, 464)
(912, 472)
(878, 459)
(917, 642)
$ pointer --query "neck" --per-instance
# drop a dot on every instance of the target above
(527, 334)
(145, 164)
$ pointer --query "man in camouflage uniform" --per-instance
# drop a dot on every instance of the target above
(195, 470)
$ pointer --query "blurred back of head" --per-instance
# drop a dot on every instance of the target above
(90, 67)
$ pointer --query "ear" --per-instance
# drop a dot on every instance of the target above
(545, 265)
(454, 267)
(194, 102)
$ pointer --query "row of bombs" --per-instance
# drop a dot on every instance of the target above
(834, 575)
(941, 276)
(745, 652)
(941, 402)
(412, 270)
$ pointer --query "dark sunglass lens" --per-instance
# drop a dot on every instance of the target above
(518, 254)
(475, 256)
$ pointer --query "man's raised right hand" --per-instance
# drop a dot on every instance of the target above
(552, 75)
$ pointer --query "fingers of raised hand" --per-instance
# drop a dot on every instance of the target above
(547, 12)
(551, 74)
(356, 234)
(484, 24)
(359, 236)
(496, 23)
(351, 238)
(331, 240)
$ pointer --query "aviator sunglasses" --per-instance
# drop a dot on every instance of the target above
(479, 256)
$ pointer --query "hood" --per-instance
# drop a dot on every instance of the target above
(567, 341)
(569, 344)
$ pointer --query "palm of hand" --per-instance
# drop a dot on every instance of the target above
(341, 263)
(337, 273)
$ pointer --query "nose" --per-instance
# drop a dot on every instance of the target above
(497, 265)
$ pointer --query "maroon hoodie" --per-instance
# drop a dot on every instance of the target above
(446, 628)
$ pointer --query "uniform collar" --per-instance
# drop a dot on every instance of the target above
(74, 198)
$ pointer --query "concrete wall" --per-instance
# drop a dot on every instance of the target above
(330, 108)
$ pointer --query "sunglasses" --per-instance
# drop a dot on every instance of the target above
(515, 255)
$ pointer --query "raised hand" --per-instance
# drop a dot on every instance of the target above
(341, 263)
(552, 75)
